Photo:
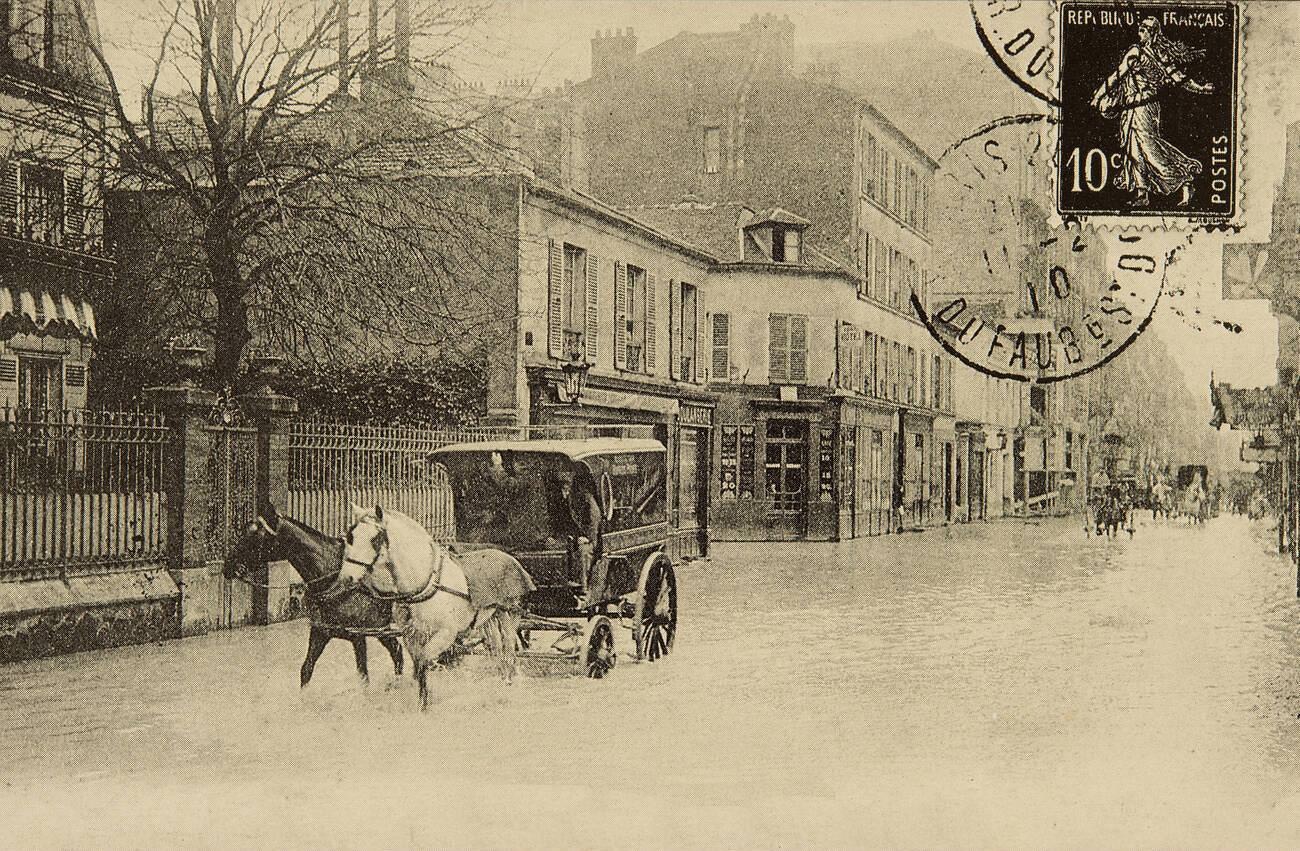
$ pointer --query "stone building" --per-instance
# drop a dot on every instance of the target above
(52, 258)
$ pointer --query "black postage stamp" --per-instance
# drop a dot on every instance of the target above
(1149, 120)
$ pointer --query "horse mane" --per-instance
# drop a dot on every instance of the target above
(329, 547)
(410, 532)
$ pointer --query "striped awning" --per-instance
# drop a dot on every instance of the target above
(45, 313)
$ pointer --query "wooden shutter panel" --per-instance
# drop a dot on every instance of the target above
(9, 195)
(74, 206)
(778, 348)
(591, 329)
(674, 329)
(620, 315)
(842, 369)
(555, 301)
(721, 347)
(799, 349)
(651, 299)
(697, 357)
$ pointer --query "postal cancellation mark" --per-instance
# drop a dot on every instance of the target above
(1149, 123)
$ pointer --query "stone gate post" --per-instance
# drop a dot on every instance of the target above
(185, 487)
(271, 413)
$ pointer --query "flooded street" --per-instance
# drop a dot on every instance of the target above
(1008, 684)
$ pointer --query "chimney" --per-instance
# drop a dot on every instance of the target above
(345, 47)
(612, 54)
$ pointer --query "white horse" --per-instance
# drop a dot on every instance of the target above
(398, 560)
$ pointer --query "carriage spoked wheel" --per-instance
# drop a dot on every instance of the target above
(655, 620)
(597, 657)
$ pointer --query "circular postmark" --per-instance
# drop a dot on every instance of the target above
(1017, 35)
(1014, 294)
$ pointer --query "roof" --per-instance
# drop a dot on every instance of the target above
(776, 215)
(574, 449)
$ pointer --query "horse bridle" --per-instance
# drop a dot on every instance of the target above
(431, 586)
(336, 589)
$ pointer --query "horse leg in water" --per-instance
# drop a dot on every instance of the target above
(359, 651)
(425, 649)
(499, 632)
(394, 648)
(315, 646)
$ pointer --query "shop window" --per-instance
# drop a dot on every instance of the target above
(785, 466)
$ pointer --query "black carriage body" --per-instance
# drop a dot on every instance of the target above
(506, 495)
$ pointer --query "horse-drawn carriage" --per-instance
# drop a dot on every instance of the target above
(1192, 498)
(588, 520)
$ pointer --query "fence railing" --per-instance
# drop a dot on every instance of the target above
(80, 489)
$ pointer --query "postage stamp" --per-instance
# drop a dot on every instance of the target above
(1150, 124)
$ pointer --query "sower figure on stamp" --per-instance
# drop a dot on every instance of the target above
(1151, 162)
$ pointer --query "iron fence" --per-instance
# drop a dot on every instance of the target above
(80, 490)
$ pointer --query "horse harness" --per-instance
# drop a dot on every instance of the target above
(431, 586)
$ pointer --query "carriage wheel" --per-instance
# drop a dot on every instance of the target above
(655, 621)
(597, 657)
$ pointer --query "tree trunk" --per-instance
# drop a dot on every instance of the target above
(231, 333)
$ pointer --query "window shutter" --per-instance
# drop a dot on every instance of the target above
(721, 347)
(843, 368)
(674, 329)
(858, 344)
(778, 348)
(620, 315)
(8, 370)
(697, 357)
(555, 301)
(591, 330)
(9, 195)
(651, 299)
(74, 216)
(799, 349)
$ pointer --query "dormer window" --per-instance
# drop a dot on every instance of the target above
(774, 236)
(787, 245)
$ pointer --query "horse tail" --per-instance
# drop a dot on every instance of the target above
(500, 630)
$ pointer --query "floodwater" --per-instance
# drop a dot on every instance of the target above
(1003, 685)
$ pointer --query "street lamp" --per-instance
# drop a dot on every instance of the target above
(575, 377)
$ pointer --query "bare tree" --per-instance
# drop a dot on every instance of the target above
(290, 178)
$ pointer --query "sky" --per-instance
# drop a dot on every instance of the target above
(548, 42)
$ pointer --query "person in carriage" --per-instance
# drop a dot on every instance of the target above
(576, 513)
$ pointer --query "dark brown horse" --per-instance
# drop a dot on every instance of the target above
(336, 612)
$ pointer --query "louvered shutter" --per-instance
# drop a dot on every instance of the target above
(778, 348)
(721, 347)
(620, 315)
(842, 369)
(651, 299)
(74, 205)
(859, 359)
(591, 328)
(9, 195)
(697, 357)
(555, 301)
(674, 329)
(799, 349)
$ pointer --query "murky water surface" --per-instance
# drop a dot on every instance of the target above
(1003, 685)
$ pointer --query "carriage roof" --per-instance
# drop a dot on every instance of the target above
(575, 450)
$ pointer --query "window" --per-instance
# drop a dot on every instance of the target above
(880, 274)
(42, 202)
(925, 207)
(573, 310)
(895, 278)
(634, 319)
(689, 331)
(786, 245)
(897, 194)
(40, 383)
(1069, 450)
(913, 282)
(870, 168)
(712, 150)
(911, 375)
(936, 379)
(722, 347)
(787, 348)
(1037, 404)
(869, 368)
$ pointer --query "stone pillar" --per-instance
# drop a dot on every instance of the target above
(270, 413)
(186, 487)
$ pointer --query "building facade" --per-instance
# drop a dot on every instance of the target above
(52, 172)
